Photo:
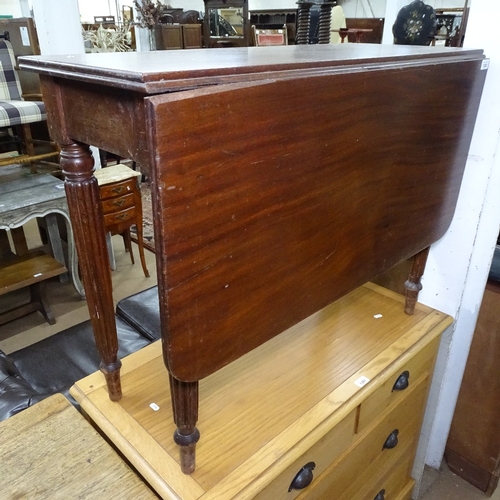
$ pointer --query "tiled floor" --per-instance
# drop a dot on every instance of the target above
(69, 310)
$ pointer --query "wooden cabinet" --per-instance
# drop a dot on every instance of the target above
(340, 397)
(473, 446)
(121, 203)
(181, 36)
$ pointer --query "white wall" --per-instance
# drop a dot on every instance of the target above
(10, 8)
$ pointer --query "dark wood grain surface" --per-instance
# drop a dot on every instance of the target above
(276, 199)
(164, 70)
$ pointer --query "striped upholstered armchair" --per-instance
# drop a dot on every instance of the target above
(16, 114)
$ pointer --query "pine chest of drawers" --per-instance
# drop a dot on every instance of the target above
(330, 409)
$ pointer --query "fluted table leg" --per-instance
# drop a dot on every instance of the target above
(85, 211)
(413, 284)
(185, 409)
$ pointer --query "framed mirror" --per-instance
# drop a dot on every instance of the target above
(226, 23)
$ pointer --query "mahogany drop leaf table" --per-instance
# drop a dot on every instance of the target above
(282, 178)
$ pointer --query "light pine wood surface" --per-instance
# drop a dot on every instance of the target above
(51, 452)
(278, 401)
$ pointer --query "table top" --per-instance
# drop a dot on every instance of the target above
(49, 451)
(29, 190)
(164, 70)
(362, 334)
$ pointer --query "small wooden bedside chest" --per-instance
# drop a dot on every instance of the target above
(120, 195)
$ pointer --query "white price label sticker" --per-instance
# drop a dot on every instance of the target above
(361, 381)
(485, 64)
(154, 406)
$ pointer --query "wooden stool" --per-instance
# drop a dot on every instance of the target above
(29, 270)
(122, 205)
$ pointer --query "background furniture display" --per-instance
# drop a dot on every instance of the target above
(246, 220)
(454, 21)
(24, 39)
(339, 396)
(120, 194)
(358, 33)
(314, 21)
(39, 195)
(180, 36)
(28, 271)
(269, 36)
(276, 19)
(375, 25)
(226, 23)
(51, 452)
(473, 447)
(18, 114)
(415, 24)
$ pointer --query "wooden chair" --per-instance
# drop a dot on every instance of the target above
(415, 24)
(16, 114)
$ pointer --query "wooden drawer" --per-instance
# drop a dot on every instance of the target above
(366, 457)
(118, 188)
(118, 217)
(323, 453)
(385, 395)
(116, 204)
(393, 477)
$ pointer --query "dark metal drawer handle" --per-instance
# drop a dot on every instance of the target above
(391, 441)
(121, 216)
(118, 189)
(303, 478)
(119, 202)
(402, 382)
(380, 495)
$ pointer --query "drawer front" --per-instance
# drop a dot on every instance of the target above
(389, 483)
(389, 393)
(118, 188)
(367, 456)
(118, 217)
(116, 204)
(322, 454)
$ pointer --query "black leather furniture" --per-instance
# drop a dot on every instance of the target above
(57, 362)
(142, 311)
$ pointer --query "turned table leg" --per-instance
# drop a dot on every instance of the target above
(87, 221)
(185, 410)
(413, 284)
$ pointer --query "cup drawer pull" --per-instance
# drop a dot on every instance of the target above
(402, 382)
(303, 478)
(392, 440)
(380, 495)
